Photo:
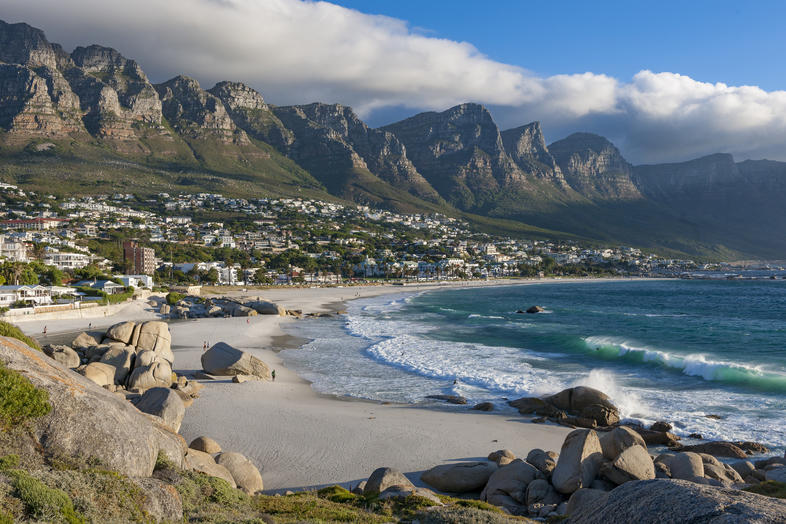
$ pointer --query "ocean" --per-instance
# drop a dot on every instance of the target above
(674, 350)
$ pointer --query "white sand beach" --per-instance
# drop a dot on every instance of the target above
(299, 438)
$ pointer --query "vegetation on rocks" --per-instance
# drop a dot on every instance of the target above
(173, 298)
(19, 399)
(769, 488)
(10, 330)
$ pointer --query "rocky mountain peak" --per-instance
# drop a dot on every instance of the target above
(187, 106)
(237, 96)
(25, 45)
(97, 59)
(594, 167)
(527, 147)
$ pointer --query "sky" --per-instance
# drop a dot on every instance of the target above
(665, 81)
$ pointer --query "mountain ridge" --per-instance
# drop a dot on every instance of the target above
(96, 115)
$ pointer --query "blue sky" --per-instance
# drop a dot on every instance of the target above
(665, 81)
(738, 43)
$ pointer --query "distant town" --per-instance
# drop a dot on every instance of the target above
(99, 249)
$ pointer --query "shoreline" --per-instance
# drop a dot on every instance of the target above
(300, 438)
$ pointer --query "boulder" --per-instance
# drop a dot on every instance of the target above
(618, 440)
(157, 374)
(63, 354)
(658, 438)
(686, 466)
(463, 477)
(263, 307)
(634, 463)
(244, 471)
(94, 353)
(170, 443)
(507, 487)
(544, 461)
(535, 309)
(717, 449)
(661, 426)
(586, 402)
(205, 444)
(450, 399)
(534, 405)
(585, 499)
(121, 332)
(539, 491)
(483, 406)
(165, 309)
(777, 474)
(402, 492)
(243, 311)
(100, 373)
(154, 336)
(579, 461)
(384, 478)
(657, 501)
(743, 468)
(161, 501)
(86, 421)
(122, 359)
(204, 463)
(224, 360)
(502, 457)
(164, 403)
(86, 339)
(751, 447)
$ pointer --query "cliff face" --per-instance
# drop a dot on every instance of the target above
(594, 167)
(527, 147)
(460, 152)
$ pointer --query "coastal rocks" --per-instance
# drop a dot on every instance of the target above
(154, 336)
(717, 449)
(450, 399)
(634, 463)
(579, 461)
(157, 374)
(661, 426)
(459, 478)
(63, 354)
(224, 360)
(588, 407)
(165, 309)
(263, 307)
(121, 332)
(205, 445)
(401, 492)
(204, 463)
(544, 461)
(618, 440)
(483, 406)
(751, 447)
(122, 359)
(658, 438)
(502, 457)
(539, 491)
(535, 309)
(657, 501)
(776, 474)
(239, 379)
(383, 478)
(507, 487)
(84, 340)
(244, 472)
(684, 466)
(164, 403)
(100, 373)
(586, 498)
(86, 421)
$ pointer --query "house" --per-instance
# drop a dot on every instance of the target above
(136, 281)
(36, 294)
(12, 249)
(107, 286)
(67, 260)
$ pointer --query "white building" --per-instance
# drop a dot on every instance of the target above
(67, 260)
(12, 249)
(37, 294)
(136, 281)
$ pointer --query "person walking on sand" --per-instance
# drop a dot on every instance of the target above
(204, 346)
(273, 375)
(44, 330)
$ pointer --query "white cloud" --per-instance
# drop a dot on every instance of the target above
(295, 51)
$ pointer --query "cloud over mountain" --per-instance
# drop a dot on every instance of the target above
(295, 51)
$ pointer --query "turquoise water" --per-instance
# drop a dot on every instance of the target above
(672, 349)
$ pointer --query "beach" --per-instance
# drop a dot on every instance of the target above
(299, 438)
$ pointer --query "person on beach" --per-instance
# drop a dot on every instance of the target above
(44, 330)
(204, 346)
(273, 375)
(89, 325)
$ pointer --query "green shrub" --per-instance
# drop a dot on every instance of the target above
(43, 502)
(173, 298)
(9, 462)
(769, 488)
(19, 399)
(10, 330)
(336, 494)
(224, 494)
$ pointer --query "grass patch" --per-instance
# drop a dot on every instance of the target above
(337, 494)
(308, 506)
(19, 399)
(42, 502)
(9, 462)
(9, 330)
(769, 488)
(477, 504)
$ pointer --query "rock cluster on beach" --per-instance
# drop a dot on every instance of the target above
(199, 307)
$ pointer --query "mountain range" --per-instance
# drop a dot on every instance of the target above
(90, 121)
